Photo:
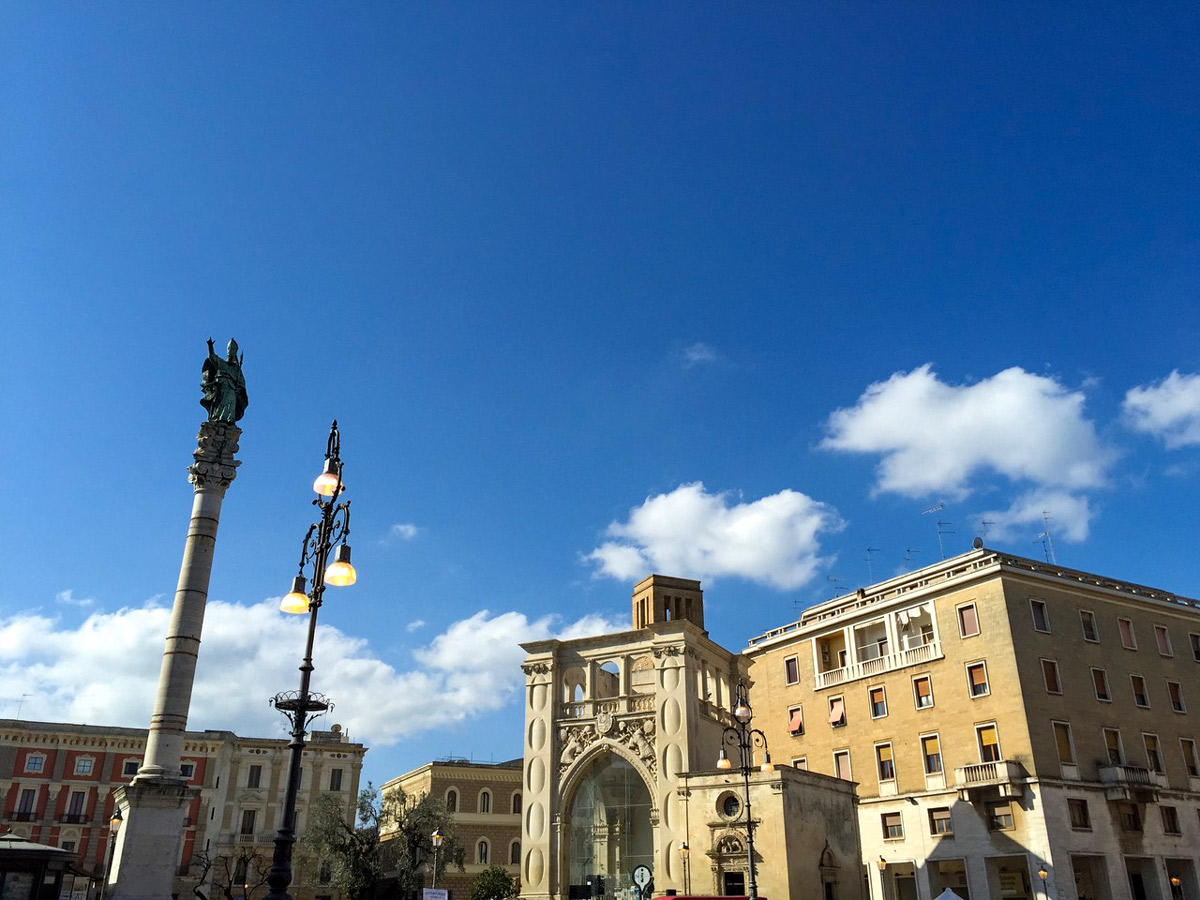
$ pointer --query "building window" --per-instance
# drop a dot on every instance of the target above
(796, 721)
(1050, 676)
(931, 753)
(1154, 761)
(1163, 640)
(801, 763)
(69, 846)
(75, 805)
(1195, 641)
(1114, 746)
(1175, 692)
(1140, 697)
(1190, 761)
(989, 743)
(335, 779)
(940, 822)
(1066, 746)
(968, 621)
(791, 670)
(885, 763)
(27, 801)
(1000, 816)
(1041, 617)
(923, 692)
(84, 765)
(514, 854)
(254, 776)
(1090, 632)
(130, 768)
(481, 853)
(248, 817)
(893, 826)
(837, 712)
(841, 764)
(452, 800)
(241, 869)
(1128, 816)
(730, 806)
(35, 763)
(187, 770)
(977, 680)
(1078, 812)
(1128, 638)
(1100, 683)
(878, 702)
(324, 872)
(485, 801)
(1170, 819)
(516, 803)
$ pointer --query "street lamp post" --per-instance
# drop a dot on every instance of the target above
(745, 739)
(1177, 887)
(436, 837)
(302, 706)
(114, 825)
(684, 853)
(1042, 874)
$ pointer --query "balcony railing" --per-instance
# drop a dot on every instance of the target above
(26, 816)
(587, 709)
(913, 656)
(1004, 774)
(74, 818)
(1126, 782)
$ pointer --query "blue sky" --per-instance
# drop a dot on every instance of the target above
(727, 291)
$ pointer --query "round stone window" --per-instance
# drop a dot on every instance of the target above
(729, 806)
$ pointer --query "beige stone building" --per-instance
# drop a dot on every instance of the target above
(56, 784)
(1001, 716)
(622, 737)
(485, 802)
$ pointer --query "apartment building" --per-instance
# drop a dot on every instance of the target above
(56, 784)
(1016, 729)
(484, 801)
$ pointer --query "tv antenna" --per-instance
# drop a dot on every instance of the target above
(21, 703)
(835, 581)
(870, 575)
(941, 527)
(908, 554)
(983, 527)
(1047, 540)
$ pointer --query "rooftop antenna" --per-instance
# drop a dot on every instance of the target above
(983, 527)
(940, 527)
(870, 574)
(21, 703)
(835, 581)
(937, 507)
(908, 554)
(1050, 557)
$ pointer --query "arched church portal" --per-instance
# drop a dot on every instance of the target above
(609, 830)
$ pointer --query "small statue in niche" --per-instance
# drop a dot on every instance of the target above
(223, 385)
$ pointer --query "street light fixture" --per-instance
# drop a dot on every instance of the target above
(436, 837)
(114, 825)
(1042, 873)
(1176, 886)
(745, 739)
(684, 853)
(302, 706)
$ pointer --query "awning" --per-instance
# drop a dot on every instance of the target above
(837, 712)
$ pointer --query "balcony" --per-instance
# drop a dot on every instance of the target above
(1005, 775)
(1129, 783)
(589, 709)
(24, 816)
(869, 668)
(74, 819)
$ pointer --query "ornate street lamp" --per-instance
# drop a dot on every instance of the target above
(1042, 874)
(436, 837)
(302, 706)
(684, 853)
(745, 739)
(1176, 886)
(114, 825)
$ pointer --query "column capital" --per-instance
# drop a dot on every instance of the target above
(215, 468)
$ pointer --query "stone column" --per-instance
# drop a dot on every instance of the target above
(155, 804)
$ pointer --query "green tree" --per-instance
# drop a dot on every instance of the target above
(494, 883)
(391, 842)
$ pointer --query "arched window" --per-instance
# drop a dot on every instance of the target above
(516, 803)
(481, 853)
(514, 854)
(452, 800)
(485, 801)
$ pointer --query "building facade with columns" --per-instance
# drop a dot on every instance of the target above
(622, 737)
(57, 785)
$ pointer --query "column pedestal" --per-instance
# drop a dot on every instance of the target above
(149, 843)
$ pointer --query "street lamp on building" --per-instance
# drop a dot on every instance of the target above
(1042, 874)
(114, 825)
(684, 852)
(745, 739)
(302, 706)
(436, 837)
(1176, 887)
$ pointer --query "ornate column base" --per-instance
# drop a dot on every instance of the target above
(150, 837)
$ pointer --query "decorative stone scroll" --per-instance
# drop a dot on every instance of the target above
(215, 466)
(672, 650)
(535, 669)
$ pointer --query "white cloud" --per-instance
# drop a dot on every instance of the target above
(699, 353)
(933, 437)
(1070, 517)
(694, 534)
(1169, 409)
(401, 531)
(68, 598)
(473, 667)
(414, 625)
